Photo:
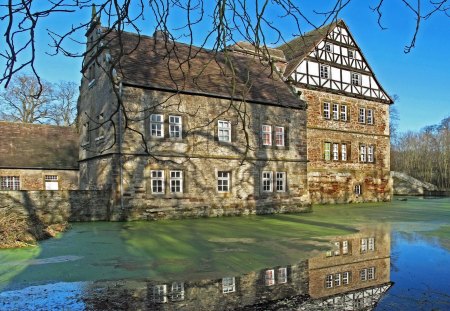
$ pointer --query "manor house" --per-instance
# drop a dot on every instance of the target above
(174, 130)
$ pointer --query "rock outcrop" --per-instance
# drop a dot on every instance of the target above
(407, 185)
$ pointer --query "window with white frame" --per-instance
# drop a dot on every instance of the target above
(344, 113)
(343, 152)
(370, 116)
(346, 277)
(269, 277)
(337, 279)
(358, 190)
(344, 247)
(160, 293)
(267, 181)
(363, 275)
(337, 250)
(175, 127)
(329, 281)
(267, 135)
(371, 273)
(362, 153)
(176, 181)
(327, 151)
(157, 125)
(326, 110)
(362, 115)
(51, 182)
(356, 79)
(9, 183)
(370, 153)
(282, 275)
(335, 152)
(157, 181)
(228, 285)
(280, 181)
(324, 71)
(371, 244)
(224, 131)
(335, 111)
(363, 245)
(279, 136)
(51, 177)
(223, 181)
(177, 292)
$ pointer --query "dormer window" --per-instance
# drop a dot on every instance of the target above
(328, 47)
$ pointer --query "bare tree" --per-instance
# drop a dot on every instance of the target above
(26, 100)
(62, 109)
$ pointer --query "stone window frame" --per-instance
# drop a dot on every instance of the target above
(221, 129)
(226, 178)
(337, 280)
(363, 275)
(177, 291)
(331, 154)
(335, 152)
(269, 277)
(371, 244)
(346, 277)
(9, 182)
(179, 179)
(160, 293)
(358, 189)
(335, 113)
(326, 110)
(370, 117)
(159, 123)
(371, 273)
(280, 137)
(345, 247)
(329, 281)
(362, 115)
(343, 113)
(282, 178)
(344, 154)
(268, 178)
(266, 132)
(364, 155)
(228, 285)
(51, 178)
(327, 151)
(325, 72)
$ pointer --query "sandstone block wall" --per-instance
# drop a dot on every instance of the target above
(34, 179)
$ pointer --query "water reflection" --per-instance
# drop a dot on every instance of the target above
(353, 275)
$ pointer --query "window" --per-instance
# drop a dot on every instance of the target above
(156, 125)
(335, 112)
(176, 181)
(356, 79)
(363, 275)
(329, 281)
(328, 47)
(344, 152)
(51, 182)
(9, 183)
(326, 110)
(269, 278)
(177, 292)
(371, 273)
(358, 189)
(362, 153)
(279, 136)
(335, 152)
(224, 131)
(346, 277)
(370, 153)
(280, 181)
(228, 285)
(337, 279)
(337, 250)
(362, 115)
(327, 151)
(267, 135)
(157, 178)
(369, 116)
(324, 71)
(175, 127)
(160, 293)
(267, 181)
(223, 181)
(351, 54)
(371, 244)
(344, 113)
(344, 247)
(363, 245)
(282, 275)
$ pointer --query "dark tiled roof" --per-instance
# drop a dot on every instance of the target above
(25, 145)
(155, 63)
(297, 49)
(264, 51)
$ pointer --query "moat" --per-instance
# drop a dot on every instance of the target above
(386, 256)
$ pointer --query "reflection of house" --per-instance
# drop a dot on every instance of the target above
(356, 272)
(38, 157)
(200, 140)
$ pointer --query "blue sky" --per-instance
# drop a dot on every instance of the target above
(420, 78)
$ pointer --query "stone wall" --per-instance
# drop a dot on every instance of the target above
(34, 179)
(53, 207)
(334, 181)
